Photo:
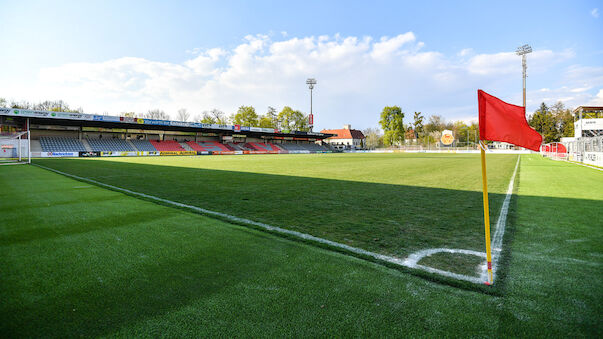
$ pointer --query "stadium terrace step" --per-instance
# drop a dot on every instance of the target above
(86, 145)
(186, 146)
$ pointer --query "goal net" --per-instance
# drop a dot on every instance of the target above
(15, 148)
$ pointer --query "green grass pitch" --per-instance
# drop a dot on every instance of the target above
(389, 204)
(79, 260)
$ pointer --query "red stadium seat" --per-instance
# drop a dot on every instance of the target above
(167, 146)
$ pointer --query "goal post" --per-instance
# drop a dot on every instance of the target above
(15, 148)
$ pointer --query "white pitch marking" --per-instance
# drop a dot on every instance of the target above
(413, 259)
(586, 165)
(410, 262)
(500, 229)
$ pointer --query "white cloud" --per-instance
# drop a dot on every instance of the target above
(387, 47)
(465, 52)
(356, 76)
(597, 100)
(507, 62)
(595, 13)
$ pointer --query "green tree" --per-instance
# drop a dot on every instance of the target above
(246, 116)
(206, 118)
(418, 124)
(473, 131)
(392, 123)
(293, 120)
(435, 123)
(270, 119)
(129, 114)
(460, 128)
(564, 120)
(215, 116)
(544, 123)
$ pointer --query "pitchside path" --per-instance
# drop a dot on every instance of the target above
(79, 260)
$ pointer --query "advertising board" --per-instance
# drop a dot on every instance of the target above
(178, 153)
(59, 154)
(593, 158)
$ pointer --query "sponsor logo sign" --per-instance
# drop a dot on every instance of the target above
(593, 158)
(447, 137)
(237, 128)
(178, 153)
(89, 154)
(59, 154)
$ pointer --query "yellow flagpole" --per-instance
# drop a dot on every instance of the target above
(486, 212)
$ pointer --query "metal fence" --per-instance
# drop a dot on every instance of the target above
(577, 148)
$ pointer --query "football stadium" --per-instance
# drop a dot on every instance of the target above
(124, 224)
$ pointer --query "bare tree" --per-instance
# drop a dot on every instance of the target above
(374, 138)
(182, 115)
(21, 105)
(157, 114)
(218, 116)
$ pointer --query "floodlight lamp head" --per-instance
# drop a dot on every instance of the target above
(523, 50)
(311, 82)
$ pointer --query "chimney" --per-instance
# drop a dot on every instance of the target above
(347, 126)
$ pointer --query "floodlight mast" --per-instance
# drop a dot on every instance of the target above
(523, 50)
(311, 82)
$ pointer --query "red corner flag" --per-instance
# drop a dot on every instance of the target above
(500, 121)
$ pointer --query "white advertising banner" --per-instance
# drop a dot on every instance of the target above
(59, 154)
(593, 158)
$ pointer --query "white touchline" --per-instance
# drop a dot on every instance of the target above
(410, 262)
(585, 165)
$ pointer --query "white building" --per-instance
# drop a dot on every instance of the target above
(345, 138)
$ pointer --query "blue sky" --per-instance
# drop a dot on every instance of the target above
(113, 56)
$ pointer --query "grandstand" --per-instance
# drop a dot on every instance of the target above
(63, 134)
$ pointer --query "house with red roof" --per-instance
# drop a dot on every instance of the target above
(345, 138)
